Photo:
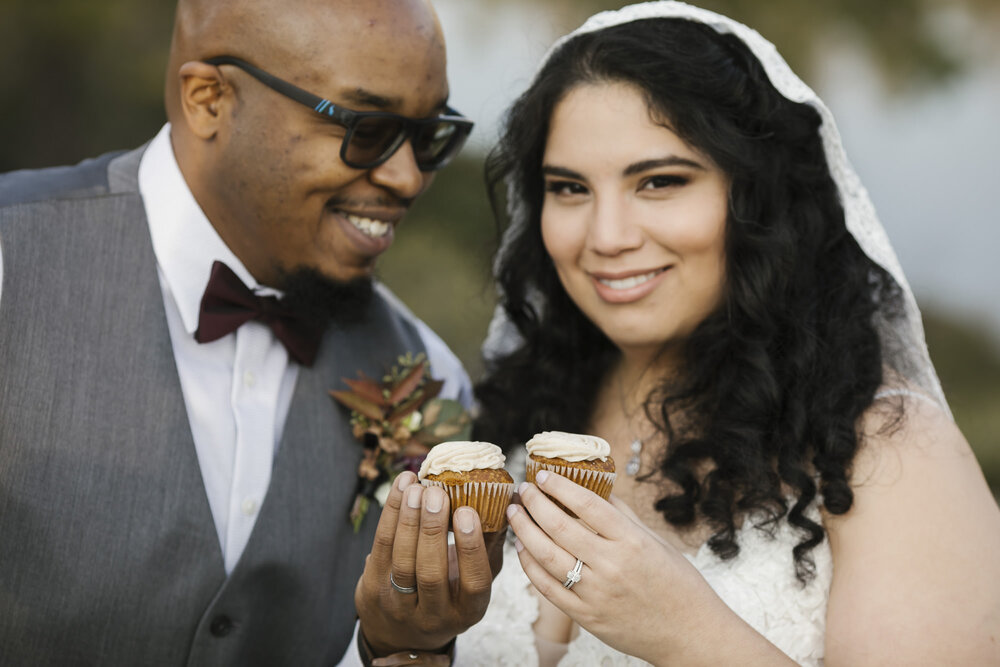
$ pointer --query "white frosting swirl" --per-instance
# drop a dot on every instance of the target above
(461, 456)
(568, 446)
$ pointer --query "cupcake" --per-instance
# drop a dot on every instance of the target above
(584, 459)
(472, 474)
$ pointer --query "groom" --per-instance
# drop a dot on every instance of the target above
(174, 477)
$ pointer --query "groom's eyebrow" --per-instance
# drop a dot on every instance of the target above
(366, 98)
(359, 97)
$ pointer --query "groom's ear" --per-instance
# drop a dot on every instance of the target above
(202, 95)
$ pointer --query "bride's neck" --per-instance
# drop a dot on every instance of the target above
(638, 374)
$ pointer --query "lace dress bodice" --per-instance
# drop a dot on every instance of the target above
(759, 585)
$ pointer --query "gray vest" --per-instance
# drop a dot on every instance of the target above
(108, 550)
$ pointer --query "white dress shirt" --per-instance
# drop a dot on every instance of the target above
(238, 389)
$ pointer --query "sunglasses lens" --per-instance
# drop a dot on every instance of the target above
(436, 143)
(372, 139)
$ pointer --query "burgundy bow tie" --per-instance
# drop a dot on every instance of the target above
(228, 304)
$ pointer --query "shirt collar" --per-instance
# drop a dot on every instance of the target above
(184, 241)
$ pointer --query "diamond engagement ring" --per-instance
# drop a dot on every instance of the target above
(409, 589)
(573, 575)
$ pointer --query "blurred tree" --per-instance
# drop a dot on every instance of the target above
(903, 38)
(968, 363)
(80, 78)
(440, 260)
(83, 77)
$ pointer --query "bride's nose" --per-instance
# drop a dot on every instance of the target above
(612, 229)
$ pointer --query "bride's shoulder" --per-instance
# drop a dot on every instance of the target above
(904, 425)
(922, 521)
(913, 463)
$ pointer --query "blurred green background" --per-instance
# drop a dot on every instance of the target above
(81, 78)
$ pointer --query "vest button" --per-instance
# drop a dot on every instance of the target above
(221, 626)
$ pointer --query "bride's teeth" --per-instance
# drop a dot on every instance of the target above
(627, 283)
(369, 226)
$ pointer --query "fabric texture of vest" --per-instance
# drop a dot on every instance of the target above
(108, 551)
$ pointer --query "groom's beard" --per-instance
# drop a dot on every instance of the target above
(325, 300)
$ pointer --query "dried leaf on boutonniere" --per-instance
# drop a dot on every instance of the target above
(397, 419)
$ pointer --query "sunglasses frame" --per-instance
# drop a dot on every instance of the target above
(349, 119)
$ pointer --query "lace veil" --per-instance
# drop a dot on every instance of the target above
(905, 349)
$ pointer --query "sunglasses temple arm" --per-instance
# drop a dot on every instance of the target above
(289, 90)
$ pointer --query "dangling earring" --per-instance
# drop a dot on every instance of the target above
(634, 461)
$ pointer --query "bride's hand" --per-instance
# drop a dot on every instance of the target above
(636, 592)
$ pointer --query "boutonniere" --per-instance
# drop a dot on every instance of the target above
(397, 420)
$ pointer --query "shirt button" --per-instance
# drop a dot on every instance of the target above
(249, 379)
(249, 506)
(221, 626)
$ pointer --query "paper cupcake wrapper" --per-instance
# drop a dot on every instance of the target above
(489, 499)
(595, 480)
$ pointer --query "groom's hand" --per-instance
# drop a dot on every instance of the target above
(452, 585)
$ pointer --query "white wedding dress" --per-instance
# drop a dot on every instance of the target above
(759, 585)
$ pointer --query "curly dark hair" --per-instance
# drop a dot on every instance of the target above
(772, 383)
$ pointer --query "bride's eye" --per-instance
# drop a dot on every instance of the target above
(565, 188)
(661, 181)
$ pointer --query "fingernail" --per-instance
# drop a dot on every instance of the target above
(511, 510)
(518, 545)
(435, 499)
(464, 520)
(522, 488)
(413, 497)
(541, 476)
(403, 481)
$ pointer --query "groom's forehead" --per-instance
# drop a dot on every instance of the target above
(369, 55)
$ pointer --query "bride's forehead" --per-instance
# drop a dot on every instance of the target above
(616, 114)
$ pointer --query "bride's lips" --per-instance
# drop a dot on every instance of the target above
(627, 286)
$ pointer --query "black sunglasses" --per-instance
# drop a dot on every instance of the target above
(373, 136)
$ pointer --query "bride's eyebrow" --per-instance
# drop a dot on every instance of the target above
(669, 161)
(563, 172)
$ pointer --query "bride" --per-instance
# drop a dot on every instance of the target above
(692, 271)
